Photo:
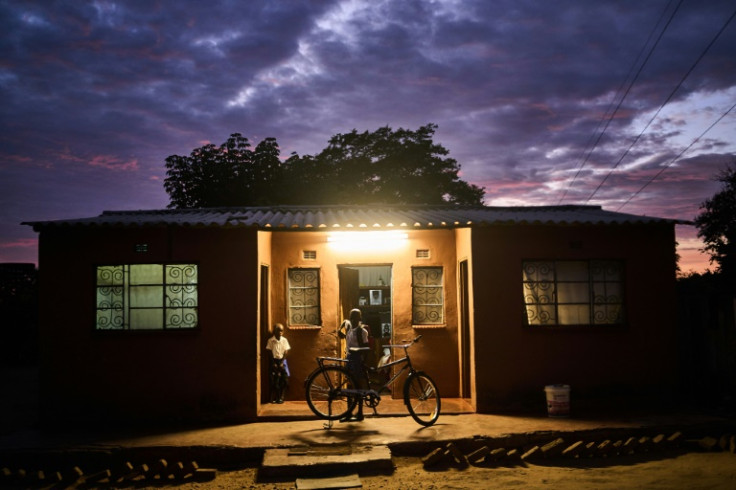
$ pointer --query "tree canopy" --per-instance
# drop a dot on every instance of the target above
(717, 224)
(381, 167)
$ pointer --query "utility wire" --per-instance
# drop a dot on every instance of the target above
(672, 94)
(606, 116)
(676, 158)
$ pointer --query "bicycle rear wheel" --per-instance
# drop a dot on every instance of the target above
(422, 398)
(324, 395)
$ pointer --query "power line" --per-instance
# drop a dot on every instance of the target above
(672, 94)
(626, 93)
(677, 157)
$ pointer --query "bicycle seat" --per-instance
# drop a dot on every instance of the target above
(357, 349)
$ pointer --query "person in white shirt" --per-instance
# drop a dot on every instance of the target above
(279, 347)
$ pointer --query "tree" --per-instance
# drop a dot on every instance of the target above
(380, 167)
(717, 226)
(397, 167)
(229, 175)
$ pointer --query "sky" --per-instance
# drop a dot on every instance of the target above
(624, 104)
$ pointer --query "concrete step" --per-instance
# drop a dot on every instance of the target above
(324, 460)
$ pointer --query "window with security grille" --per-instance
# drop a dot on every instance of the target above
(304, 291)
(573, 292)
(427, 296)
(147, 297)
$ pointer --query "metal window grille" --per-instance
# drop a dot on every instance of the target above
(147, 297)
(427, 296)
(304, 292)
(573, 292)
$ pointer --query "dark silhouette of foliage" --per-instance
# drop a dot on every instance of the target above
(384, 166)
(229, 175)
(717, 226)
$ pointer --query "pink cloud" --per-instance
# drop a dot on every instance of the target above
(18, 158)
(67, 156)
(20, 243)
(22, 250)
(113, 163)
(109, 162)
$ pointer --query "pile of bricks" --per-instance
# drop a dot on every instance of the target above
(559, 448)
(159, 472)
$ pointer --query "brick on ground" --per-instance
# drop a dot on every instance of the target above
(204, 474)
(479, 454)
(513, 455)
(531, 453)
(434, 457)
(589, 449)
(496, 455)
(73, 474)
(708, 443)
(573, 449)
(645, 443)
(616, 447)
(630, 445)
(456, 454)
(674, 439)
(658, 441)
(190, 467)
(98, 476)
(603, 448)
(553, 448)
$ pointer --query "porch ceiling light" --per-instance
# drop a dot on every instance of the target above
(366, 240)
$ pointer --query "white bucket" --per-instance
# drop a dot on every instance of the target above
(558, 400)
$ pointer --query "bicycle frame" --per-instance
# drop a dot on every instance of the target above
(406, 361)
(420, 392)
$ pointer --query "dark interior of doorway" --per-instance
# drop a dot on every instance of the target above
(368, 288)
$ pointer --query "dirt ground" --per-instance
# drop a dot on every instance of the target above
(678, 471)
(690, 470)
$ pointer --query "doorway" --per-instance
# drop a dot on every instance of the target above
(368, 288)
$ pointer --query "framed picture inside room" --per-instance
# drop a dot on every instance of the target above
(376, 296)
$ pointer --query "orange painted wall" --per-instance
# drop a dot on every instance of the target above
(514, 363)
(436, 353)
(205, 374)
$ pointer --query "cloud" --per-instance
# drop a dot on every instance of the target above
(113, 163)
(97, 95)
(20, 243)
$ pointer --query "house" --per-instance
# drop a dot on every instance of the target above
(164, 314)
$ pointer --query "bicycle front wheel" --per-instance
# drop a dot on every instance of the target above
(324, 392)
(422, 398)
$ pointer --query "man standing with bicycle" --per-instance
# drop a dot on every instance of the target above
(356, 340)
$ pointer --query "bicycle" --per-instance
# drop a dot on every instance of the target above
(332, 391)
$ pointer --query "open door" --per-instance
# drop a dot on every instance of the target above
(349, 286)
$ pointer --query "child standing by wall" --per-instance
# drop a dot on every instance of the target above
(278, 347)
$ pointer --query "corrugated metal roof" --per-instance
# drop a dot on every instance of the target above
(357, 217)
